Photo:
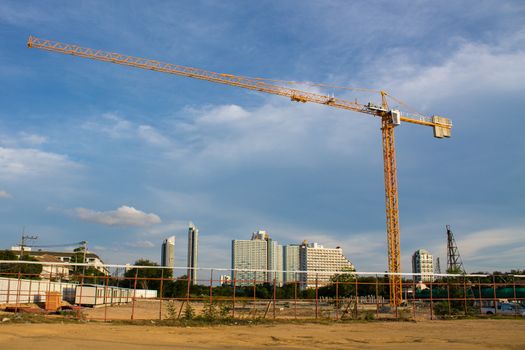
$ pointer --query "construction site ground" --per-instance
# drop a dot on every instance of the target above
(452, 334)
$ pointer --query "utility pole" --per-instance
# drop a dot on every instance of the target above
(84, 248)
(23, 243)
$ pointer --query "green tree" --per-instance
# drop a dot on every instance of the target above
(147, 278)
(26, 270)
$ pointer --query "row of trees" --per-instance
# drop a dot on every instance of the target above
(342, 285)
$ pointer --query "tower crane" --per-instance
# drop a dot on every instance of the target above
(390, 118)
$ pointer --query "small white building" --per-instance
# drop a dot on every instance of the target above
(423, 263)
(52, 271)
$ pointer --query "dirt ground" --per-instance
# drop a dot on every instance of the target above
(457, 334)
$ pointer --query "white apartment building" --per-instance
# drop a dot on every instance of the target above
(423, 263)
(258, 253)
(291, 262)
(321, 264)
(250, 255)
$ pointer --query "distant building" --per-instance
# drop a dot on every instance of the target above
(193, 252)
(291, 262)
(258, 253)
(61, 257)
(251, 255)
(321, 264)
(275, 262)
(167, 254)
(52, 271)
(225, 280)
(422, 263)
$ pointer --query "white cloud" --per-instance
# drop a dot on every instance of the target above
(140, 244)
(499, 239)
(123, 216)
(28, 162)
(224, 114)
(152, 136)
(22, 140)
(4, 194)
(166, 229)
(116, 127)
(32, 139)
(471, 70)
(280, 131)
(111, 125)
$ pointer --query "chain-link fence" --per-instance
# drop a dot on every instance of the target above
(117, 292)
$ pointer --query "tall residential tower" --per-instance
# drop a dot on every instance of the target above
(258, 253)
(167, 254)
(193, 252)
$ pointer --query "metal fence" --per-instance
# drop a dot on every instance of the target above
(158, 293)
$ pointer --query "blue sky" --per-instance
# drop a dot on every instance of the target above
(123, 158)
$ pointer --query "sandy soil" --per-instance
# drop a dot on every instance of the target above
(463, 334)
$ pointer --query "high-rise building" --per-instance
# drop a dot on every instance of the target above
(258, 253)
(167, 254)
(422, 263)
(321, 264)
(291, 262)
(193, 252)
(275, 262)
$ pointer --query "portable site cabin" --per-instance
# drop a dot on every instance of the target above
(93, 294)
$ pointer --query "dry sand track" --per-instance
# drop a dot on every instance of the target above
(462, 334)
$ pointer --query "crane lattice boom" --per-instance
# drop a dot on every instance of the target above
(389, 120)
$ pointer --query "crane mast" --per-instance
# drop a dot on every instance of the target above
(389, 120)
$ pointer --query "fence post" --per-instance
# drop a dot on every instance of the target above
(516, 314)
(254, 306)
(377, 297)
(431, 302)
(19, 286)
(29, 292)
(234, 292)
(465, 294)
(316, 296)
(337, 300)
(105, 298)
(494, 294)
(211, 287)
(188, 286)
(413, 297)
(480, 296)
(274, 296)
(9, 289)
(448, 299)
(295, 299)
(134, 294)
(356, 298)
(80, 296)
(161, 293)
